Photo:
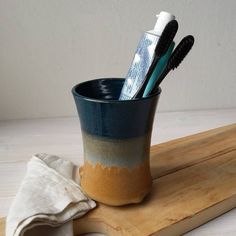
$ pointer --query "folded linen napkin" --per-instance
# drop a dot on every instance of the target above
(48, 199)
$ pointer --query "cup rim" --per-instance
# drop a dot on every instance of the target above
(110, 101)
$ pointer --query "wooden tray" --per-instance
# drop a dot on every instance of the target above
(194, 180)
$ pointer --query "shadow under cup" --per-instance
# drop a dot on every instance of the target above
(116, 140)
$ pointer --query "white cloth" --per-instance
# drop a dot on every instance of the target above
(48, 199)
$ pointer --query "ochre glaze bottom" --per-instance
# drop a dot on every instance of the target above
(116, 186)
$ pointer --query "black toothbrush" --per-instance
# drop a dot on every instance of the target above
(163, 44)
(179, 53)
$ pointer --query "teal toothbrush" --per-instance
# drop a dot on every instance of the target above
(158, 70)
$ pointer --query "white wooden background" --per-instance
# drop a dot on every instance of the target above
(19, 139)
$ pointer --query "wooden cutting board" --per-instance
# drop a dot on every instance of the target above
(194, 181)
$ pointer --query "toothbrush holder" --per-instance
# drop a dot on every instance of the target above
(116, 141)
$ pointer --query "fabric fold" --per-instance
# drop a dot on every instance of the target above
(48, 199)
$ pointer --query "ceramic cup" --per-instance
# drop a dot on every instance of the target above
(116, 141)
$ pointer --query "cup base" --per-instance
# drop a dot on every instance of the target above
(116, 186)
(119, 202)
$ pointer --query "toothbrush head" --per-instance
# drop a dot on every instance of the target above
(180, 52)
(166, 38)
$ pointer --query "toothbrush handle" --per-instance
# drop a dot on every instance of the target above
(158, 82)
(139, 93)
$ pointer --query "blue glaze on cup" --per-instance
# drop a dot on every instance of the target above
(102, 114)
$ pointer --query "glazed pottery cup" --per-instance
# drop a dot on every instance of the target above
(116, 141)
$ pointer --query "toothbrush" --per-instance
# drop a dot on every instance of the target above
(160, 66)
(180, 52)
(165, 40)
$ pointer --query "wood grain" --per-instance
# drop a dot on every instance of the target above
(2, 227)
(184, 152)
(194, 180)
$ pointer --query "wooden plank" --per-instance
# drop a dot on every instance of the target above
(2, 227)
(194, 181)
(183, 152)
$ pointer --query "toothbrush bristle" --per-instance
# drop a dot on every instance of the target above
(181, 51)
(167, 37)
